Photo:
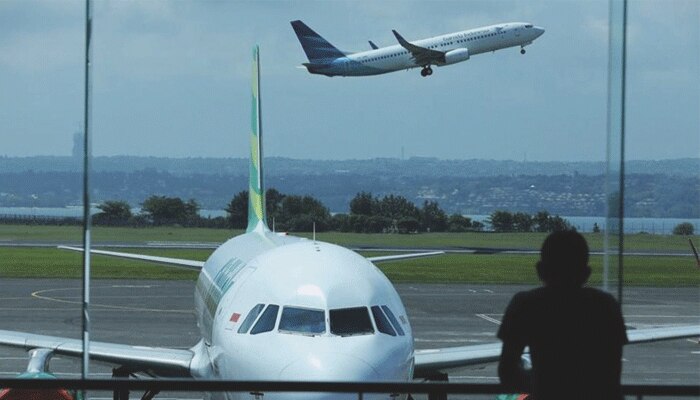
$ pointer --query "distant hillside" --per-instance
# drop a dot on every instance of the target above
(415, 166)
(667, 188)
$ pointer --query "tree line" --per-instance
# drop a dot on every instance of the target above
(294, 213)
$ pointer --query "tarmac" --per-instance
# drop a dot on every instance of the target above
(160, 313)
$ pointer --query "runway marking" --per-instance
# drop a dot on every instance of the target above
(473, 377)
(489, 319)
(39, 295)
(122, 297)
(694, 341)
(134, 286)
(695, 352)
(661, 316)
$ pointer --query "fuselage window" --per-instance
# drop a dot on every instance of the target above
(383, 324)
(393, 320)
(303, 320)
(266, 323)
(248, 321)
(350, 321)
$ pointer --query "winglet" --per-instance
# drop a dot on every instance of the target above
(403, 42)
(256, 190)
(372, 45)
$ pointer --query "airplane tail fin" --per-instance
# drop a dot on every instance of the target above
(256, 190)
(318, 50)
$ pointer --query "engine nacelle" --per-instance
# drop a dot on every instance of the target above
(36, 394)
(456, 55)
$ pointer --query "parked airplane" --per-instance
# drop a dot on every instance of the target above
(326, 59)
(278, 307)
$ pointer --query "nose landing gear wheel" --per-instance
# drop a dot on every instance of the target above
(426, 71)
(522, 51)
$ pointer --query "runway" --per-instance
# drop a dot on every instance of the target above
(159, 313)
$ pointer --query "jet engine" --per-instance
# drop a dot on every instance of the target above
(36, 394)
(456, 55)
(38, 369)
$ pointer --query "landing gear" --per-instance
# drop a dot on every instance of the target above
(522, 50)
(426, 71)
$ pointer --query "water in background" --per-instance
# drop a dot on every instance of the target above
(660, 226)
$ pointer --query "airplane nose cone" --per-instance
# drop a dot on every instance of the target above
(329, 367)
(540, 31)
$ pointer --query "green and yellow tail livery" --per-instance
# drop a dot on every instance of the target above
(256, 190)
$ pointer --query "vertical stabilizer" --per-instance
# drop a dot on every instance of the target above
(256, 189)
(318, 50)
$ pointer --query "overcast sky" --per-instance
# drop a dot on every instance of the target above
(172, 79)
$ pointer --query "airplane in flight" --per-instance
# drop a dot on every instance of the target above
(271, 306)
(326, 59)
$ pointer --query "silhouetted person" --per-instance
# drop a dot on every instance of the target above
(575, 333)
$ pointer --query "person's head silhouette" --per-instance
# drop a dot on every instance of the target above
(564, 260)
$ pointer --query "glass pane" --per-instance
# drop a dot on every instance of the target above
(303, 320)
(383, 324)
(350, 321)
(266, 323)
(393, 320)
(248, 322)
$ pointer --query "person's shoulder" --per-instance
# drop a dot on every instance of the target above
(528, 295)
(599, 296)
(597, 293)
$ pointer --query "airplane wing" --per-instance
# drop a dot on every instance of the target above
(421, 55)
(430, 361)
(158, 361)
(176, 262)
(404, 256)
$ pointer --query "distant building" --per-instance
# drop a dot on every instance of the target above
(78, 144)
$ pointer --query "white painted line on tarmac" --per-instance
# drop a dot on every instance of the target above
(133, 286)
(488, 291)
(695, 352)
(473, 377)
(489, 319)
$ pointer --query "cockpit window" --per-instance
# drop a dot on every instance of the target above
(303, 320)
(266, 323)
(528, 26)
(248, 321)
(393, 320)
(383, 324)
(350, 321)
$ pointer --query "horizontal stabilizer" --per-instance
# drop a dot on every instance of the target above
(175, 262)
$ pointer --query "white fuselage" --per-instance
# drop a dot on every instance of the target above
(474, 41)
(302, 276)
